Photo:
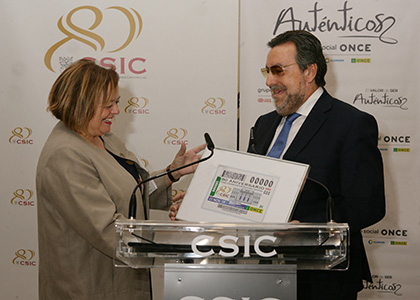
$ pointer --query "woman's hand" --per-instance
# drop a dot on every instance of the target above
(184, 157)
(176, 203)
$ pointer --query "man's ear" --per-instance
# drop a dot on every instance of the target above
(310, 72)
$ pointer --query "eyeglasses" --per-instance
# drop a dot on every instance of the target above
(277, 70)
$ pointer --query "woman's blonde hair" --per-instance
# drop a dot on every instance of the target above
(77, 92)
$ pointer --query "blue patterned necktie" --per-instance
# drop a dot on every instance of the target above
(280, 143)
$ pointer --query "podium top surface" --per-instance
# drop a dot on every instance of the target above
(177, 225)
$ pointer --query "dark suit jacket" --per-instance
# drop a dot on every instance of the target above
(339, 142)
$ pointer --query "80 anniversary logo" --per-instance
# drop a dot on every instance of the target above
(21, 136)
(90, 37)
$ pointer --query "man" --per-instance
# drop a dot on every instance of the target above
(338, 141)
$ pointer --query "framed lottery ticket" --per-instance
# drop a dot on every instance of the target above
(234, 186)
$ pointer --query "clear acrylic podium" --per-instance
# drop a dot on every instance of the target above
(231, 261)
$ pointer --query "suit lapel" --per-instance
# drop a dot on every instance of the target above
(270, 135)
(312, 124)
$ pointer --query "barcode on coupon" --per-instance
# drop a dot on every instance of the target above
(232, 209)
(233, 175)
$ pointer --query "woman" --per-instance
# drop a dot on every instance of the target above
(84, 180)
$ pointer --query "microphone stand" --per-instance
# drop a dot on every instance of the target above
(330, 202)
(133, 200)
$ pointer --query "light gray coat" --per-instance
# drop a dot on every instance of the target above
(81, 191)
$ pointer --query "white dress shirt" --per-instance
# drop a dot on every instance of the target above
(304, 111)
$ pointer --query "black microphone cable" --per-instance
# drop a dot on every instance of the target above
(330, 202)
(133, 200)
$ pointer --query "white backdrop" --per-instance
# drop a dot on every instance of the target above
(372, 55)
(178, 62)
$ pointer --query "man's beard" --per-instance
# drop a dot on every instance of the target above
(290, 104)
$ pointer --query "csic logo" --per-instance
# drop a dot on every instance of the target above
(89, 35)
(230, 242)
(24, 258)
(137, 106)
(21, 136)
(224, 191)
(176, 136)
(23, 198)
(213, 106)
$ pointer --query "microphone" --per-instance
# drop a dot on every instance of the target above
(209, 143)
(330, 202)
(133, 200)
(252, 140)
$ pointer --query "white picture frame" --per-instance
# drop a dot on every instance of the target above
(234, 186)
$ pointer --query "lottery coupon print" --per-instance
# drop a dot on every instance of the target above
(240, 193)
(239, 187)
